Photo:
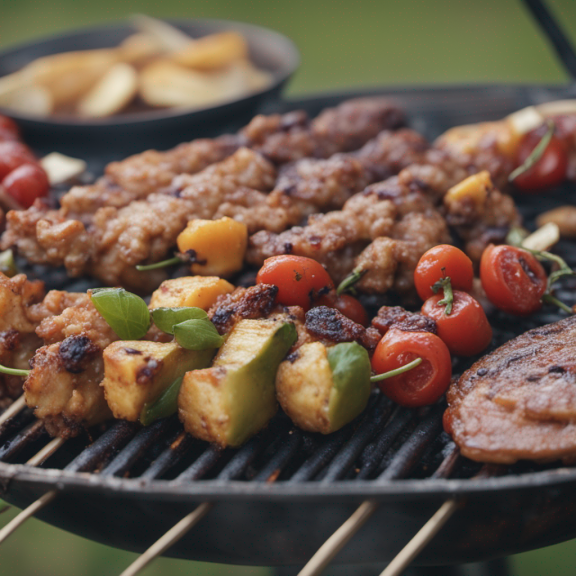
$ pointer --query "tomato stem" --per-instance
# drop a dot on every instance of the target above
(396, 371)
(445, 284)
(516, 236)
(14, 371)
(156, 265)
(549, 299)
(536, 154)
(347, 285)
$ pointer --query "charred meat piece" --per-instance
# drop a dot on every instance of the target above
(519, 402)
(397, 317)
(244, 303)
(64, 384)
(18, 296)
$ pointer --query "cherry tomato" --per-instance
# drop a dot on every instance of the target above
(513, 279)
(12, 155)
(422, 385)
(26, 183)
(8, 129)
(348, 305)
(300, 280)
(549, 171)
(466, 330)
(429, 269)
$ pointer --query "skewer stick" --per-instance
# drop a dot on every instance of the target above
(421, 539)
(170, 538)
(339, 539)
(44, 500)
(46, 452)
(12, 410)
(26, 513)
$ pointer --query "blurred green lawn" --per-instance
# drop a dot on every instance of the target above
(343, 43)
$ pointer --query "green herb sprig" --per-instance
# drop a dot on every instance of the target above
(445, 284)
(347, 285)
(536, 154)
(396, 371)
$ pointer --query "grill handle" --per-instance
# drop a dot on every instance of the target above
(556, 36)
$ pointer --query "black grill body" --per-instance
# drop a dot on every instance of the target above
(279, 497)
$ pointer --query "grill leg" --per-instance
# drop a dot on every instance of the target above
(492, 568)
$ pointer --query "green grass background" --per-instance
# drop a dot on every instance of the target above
(343, 43)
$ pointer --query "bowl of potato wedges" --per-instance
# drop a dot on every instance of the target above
(143, 83)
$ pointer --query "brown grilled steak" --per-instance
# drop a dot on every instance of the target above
(519, 402)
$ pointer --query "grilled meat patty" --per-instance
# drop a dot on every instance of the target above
(519, 402)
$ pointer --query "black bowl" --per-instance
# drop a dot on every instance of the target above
(118, 136)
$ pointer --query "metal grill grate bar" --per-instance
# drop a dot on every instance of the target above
(178, 447)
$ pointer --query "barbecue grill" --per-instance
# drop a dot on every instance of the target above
(277, 499)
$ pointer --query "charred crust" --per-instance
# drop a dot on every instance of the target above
(330, 324)
(288, 247)
(254, 302)
(132, 351)
(147, 372)
(10, 339)
(75, 351)
(397, 317)
(293, 357)
(556, 370)
(191, 257)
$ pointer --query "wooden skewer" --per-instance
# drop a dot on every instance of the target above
(43, 501)
(170, 538)
(26, 513)
(325, 554)
(421, 539)
(12, 410)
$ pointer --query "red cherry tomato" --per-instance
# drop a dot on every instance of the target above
(8, 129)
(301, 281)
(466, 330)
(26, 183)
(12, 155)
(348, 305)
(549, 171)
(513, 279)
(422, 385)
(429, 269)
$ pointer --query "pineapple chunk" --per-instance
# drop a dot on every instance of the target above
(137, 372)
(218, 245)
(474, 188)
(199, 291)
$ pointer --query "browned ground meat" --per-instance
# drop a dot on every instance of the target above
(118, 239)
(64, 385)
(313, 185)
(290, 136)
(386, 229)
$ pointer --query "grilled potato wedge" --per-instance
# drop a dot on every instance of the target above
(138, 372)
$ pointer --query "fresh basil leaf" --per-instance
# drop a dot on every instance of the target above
(348, 359)
(126, 313)
(165, 405)
(197, 335)
(167, 318)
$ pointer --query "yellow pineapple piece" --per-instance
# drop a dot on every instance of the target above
(218, 246)
(475, 188)
(198, 291)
